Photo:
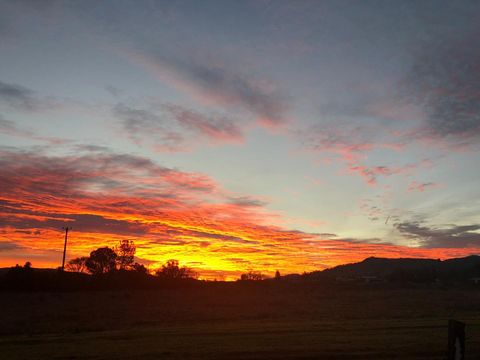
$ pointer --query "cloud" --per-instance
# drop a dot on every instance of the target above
(114, 91)
(212, 83)
(18, 97)
(347, 140)
(445, 81)
(352, 143)
(217, 128)
(169, 127)
(8, 246)
(143, 125)
(10, 128)
(421, 187)
(14, 97)
(247, 201)
(94, 172)
(371, 173)
(462, 236)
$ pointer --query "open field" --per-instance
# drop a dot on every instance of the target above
(237, 321)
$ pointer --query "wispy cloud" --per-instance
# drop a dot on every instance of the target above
(247, 201)
(10, 128)
(452, 236)
(371, 173)
(216, 128)
(421, 187)
(353, 143)
(144, 125)
(18, 97)
(445, 81)
(170, 127)
(213, 83)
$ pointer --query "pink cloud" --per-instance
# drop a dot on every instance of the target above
(421, 187)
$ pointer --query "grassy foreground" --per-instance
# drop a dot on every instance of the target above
(237, 321)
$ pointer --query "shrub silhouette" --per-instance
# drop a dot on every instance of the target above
(78, 265)
(252, 276)
(139, 268)
(171, 271)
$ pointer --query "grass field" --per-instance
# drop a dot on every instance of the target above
(233, 321)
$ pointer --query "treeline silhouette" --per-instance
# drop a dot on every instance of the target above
(115, 268)
(106, 269)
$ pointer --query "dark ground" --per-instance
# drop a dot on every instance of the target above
(237, 321)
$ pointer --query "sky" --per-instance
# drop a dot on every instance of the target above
(239, 135)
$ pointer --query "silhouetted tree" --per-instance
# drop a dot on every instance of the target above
(125, 254)
(78, 265)
(101, 261)
(252, 276)
(140, 268)
(172, 271)
(277, 275)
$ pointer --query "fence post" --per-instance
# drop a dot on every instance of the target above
(456, 340)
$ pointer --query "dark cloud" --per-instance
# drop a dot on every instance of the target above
(17, 97)
(145, 125)
(247, 201)
(170, 127)
(8, 245)
(14, 97)
(212, 235)
(220, 86)
(67, 176)
(450, 237)
(92, 148)
(136, 120)
(236, 89)
(217, 128)
(445, 81)
(114, 91)
(80, 222)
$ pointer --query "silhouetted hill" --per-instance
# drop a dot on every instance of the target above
(405, 269)
(373, 266)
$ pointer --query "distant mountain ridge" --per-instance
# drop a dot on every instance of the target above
(406, 269)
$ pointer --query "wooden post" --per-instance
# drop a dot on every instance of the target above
(456, 340)
(65, 247)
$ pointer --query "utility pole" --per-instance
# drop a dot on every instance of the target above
(66, 228)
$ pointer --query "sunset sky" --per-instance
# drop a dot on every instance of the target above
(240, 135)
